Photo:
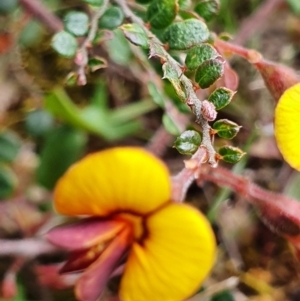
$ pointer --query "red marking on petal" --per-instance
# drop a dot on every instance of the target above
(92, 282)
(80, 260)
(85, 233)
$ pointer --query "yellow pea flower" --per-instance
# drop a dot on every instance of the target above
(167, 248)
(287, 125)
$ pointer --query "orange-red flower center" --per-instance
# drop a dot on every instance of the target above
(136, 222)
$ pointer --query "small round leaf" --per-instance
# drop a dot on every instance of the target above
(9, 146)
(94, 2)
(76, 23)
(186, 34)
(112, 18)
(184, 4)
(231, 154)
(161, 13)
(221, 97)
(207, 9)
(223, 296)
(208, 72)
(7, 6)
(188, 142)
(71, 79)
(96, 62)
(198, 54)
(226, 129)
(63, 146)
(38, 123)
(64, 44)
(135, 34)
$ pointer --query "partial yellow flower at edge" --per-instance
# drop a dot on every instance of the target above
(122, 178)
(287, 126)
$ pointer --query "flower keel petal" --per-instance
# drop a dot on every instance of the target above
(93, 281)
(85, 233)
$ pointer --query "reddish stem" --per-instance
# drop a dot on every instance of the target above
(182, 181)
(256, 21)
(28, 247)
(227, 48)
(159, 142)
(281, 213)
(43, 14)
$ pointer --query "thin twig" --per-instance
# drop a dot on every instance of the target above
(256, 21)
(279, 212)
(29, 247)
(159, 141)
(43, 14)
(182, 181)
(191, 97)
(82, 55)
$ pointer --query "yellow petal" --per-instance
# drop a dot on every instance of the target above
(287, 125)
(123, 178)
(173, 260)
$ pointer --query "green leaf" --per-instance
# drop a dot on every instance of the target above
(8, 182)
(156, 95)
(96, 62)
(292, 187)
(100, 96)
(76, 23)
(135, 34)
(71, 79)
(64, 44)
(96, 119)
(170, 125)
(92, 120)
(221, 97)
(231, 154)
(20, 290)
(223, 296)
(38, 123)
(208, 72)
(295, 5)
(186, 34)
(7, 6)
(9, 146)
(161, 13)
(172, 76)
(188, 142)
(177, 101)
(63, 146)
(184, 4)
(94, 2)
(198, 54)
(31, 34)
(132, 111)
(118, 48)
(226, 129)
(143, 1)
(112, 18)
(207, 9)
